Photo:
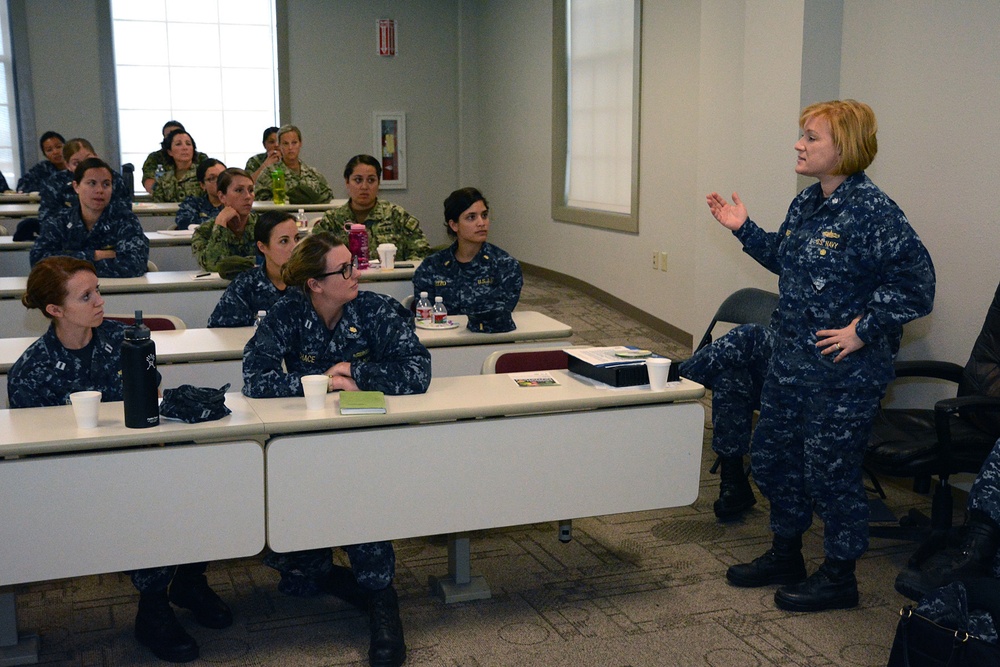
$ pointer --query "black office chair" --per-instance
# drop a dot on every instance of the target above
(955, 436)
(749, 305)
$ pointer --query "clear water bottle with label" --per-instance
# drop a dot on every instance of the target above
(261, 314)
(139, 376)
(424, 308)
(300, 219)
(159, 173)
(439, 313)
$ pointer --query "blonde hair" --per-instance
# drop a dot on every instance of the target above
(308, 260)
(285, 129)
(853, 128)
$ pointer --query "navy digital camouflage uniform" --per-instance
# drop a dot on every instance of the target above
(249, 292)
(35, 178)
(386, 223)
(984, 495)
(195, 210)
(733, 367)
(948, 606)
(376, 336)
(116, 229)
(306, 187)
(57, 194)
(851, 254)
(47, 373)
(211, 243)
(172, 186)
(488, 287)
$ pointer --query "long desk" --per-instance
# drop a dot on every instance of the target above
(487, 452)
(213, 357)
(181, 293)
(170, 252)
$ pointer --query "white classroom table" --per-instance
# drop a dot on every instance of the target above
(109, 499)
(190, 295)
(170, 252)
(213, 357)
(516, 455)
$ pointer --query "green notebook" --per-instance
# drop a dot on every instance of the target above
(362, 403)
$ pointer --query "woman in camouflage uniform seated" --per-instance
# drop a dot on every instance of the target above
(231, 233)
(82, 351)
(303, 184)
(180, 180)
(260, 287)
(473, 276)
(385, 222)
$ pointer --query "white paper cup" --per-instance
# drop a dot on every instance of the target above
(658, 369)
(86, 405)
(314, 387)
(387, 255)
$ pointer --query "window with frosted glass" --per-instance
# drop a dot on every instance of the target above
(210, 64)
(596, 112)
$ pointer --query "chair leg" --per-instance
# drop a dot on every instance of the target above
(565, 530)
(942, 506)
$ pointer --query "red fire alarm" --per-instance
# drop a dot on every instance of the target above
(386, 37)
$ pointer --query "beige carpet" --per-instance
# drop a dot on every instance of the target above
(629, 590)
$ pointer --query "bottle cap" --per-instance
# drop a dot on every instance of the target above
(137, 331)
(438, 299)
(261, 313)
(423, 295)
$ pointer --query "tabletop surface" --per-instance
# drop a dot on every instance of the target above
(53, 429)
(222, 344)
(19, 206)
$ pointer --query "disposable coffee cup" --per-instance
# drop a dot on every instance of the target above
(314, 387)
(387, 255)
(86, 406)
(658, 369)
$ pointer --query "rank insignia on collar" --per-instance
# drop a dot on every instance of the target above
(831, 235)
(352, 330)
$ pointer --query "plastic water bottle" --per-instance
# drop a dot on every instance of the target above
(278, 184)
(439, 313)
(159, 173)
(261, 314)
(357, 243)
(300, 219)
(139, 376)
(424, 308)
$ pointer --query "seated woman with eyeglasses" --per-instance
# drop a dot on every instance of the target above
(197, 209)
(359, 340)
(473, 277)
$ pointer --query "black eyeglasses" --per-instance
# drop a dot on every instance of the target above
(347, 270)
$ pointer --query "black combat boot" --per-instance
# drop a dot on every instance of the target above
(832, 586)
(781, 564)
(972, 560)
(735, 494)
(157, 628)
(190, 590)
(386, 648)
(341, 582)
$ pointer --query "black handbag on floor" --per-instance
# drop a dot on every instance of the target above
(920, 642)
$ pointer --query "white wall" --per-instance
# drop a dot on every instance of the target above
(720, 101)
(931, 72)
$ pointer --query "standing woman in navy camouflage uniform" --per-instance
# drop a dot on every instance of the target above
(851, 272)
(360, 340)
(259, 288)
(473, 277)
(82, 351)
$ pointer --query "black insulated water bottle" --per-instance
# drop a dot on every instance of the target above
(139, 376)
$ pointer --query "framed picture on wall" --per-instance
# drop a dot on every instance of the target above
(389, 130)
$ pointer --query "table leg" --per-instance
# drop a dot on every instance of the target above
(460, 585)
(14, 650)
(566, 530)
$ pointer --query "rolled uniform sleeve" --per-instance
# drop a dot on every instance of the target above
(211, 243)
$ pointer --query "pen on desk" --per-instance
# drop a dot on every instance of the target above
(203, 275)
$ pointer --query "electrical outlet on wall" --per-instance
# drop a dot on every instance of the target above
(662, 261)
(656, 259)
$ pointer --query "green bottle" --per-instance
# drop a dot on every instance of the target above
(278, 184)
